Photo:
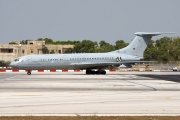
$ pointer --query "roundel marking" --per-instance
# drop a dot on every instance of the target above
(117, 59)
(120, 59)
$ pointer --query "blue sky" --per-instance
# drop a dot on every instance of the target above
(96, 20)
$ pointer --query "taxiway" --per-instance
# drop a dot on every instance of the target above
(118, 93)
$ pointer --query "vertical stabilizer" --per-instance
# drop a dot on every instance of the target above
(139, 44)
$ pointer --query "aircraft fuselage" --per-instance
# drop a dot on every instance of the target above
(71, 61)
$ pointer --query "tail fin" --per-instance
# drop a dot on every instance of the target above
(139, 44)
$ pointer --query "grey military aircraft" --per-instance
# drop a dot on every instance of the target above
(93, 63)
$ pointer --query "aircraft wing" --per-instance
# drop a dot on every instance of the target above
(109, 63)
(88, 65)
(93, 65)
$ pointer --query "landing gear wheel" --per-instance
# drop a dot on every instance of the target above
(28, 73)
(103, 72)
(88, 72)
(98, 72)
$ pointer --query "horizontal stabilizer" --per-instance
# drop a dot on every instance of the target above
(152, 33)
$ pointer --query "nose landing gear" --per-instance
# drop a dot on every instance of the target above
(28, 72)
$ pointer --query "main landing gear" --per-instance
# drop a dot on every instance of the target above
(28, 72)
(98, 72)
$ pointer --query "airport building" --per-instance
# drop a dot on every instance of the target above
(8, 52)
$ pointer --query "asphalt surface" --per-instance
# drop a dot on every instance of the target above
(117, 93)
(173, 78)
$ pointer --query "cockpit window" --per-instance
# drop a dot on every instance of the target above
(18, 60)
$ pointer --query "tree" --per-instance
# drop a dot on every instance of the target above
(4, 64)
(175, 49)
(165, 49)
(52, 52)
(47, 40)
(45, 50)
(120, 44)
(150, 52)
(163, 45)
(105, 47)
(12, 43)
(65, 42)
(70, 50)
(86, 46)
(24, 42)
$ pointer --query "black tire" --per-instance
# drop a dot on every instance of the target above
(93, 72)
(87, 72)
(97, 72)
(103, 72)
(28, 73)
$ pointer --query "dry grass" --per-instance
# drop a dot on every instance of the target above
(90, 118)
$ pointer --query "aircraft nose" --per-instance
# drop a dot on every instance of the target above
(12, 64)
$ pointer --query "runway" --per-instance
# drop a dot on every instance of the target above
(118, 93)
